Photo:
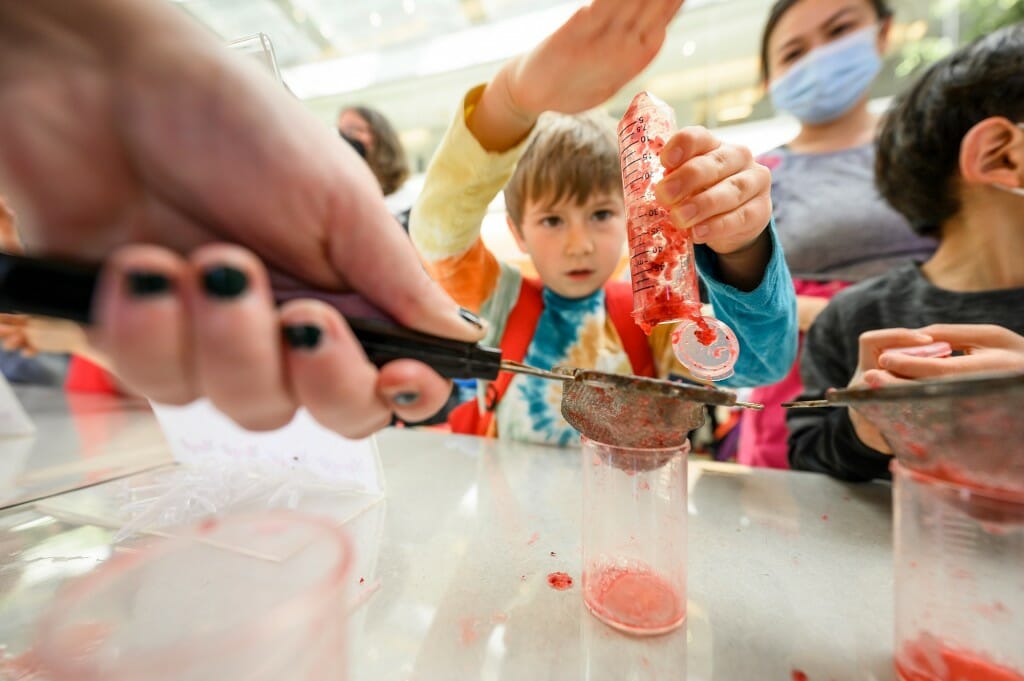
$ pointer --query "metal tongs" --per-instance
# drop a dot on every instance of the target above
(64, 290)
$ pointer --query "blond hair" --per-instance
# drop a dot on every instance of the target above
(570, 157)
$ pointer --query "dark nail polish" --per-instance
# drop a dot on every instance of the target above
(405, 399)
(303, 336)
(471, 318)
(225, 282)
(147, 284)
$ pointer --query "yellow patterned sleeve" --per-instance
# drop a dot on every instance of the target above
(462, 180)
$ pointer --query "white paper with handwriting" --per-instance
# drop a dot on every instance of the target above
(198, 434)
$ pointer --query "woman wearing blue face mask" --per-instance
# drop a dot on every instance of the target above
(819, 59)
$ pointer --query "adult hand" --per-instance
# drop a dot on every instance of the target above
(807, 310)
(985, 348)
(124, 122)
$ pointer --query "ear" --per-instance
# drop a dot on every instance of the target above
(883, 36)
(992, 152)
(517, 234)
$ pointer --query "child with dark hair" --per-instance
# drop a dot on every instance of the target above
(951, 160)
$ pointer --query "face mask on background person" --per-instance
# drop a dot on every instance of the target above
(356, 144)
(829, 80)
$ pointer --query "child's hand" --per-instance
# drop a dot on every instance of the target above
(985, 348)
(716, 190)
(587, 60)
(869, 374)
(14, 334)
(590, 57)
(32, 335)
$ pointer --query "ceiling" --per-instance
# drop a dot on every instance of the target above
(310, 30)
(413, 59)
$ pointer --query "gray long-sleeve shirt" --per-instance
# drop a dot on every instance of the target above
(832, 223)
(824, 440)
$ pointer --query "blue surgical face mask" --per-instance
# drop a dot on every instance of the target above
(1019, 191)
(831, 79)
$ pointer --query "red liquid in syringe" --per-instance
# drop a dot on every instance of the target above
(662, 263)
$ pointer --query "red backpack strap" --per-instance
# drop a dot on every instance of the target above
(618, 297)
(519, 331)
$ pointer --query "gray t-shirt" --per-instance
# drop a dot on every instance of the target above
(823, 440)
(832, 222)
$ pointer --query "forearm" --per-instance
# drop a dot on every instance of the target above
(808, 308)
(462, 180)
(107, 29)
(497, 121)
(763, 319)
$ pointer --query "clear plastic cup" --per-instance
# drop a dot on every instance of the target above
(634, 536)
(216, 605)
(261, 49)
(959, 553)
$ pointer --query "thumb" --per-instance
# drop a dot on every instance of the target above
(376, 258)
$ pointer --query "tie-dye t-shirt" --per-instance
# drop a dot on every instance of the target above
(462, 180)
(575, 333)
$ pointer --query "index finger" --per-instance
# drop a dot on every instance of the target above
(920, 368)
(874, 343)
(686, 144)
(963, 336)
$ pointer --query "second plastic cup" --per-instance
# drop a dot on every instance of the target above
(634, 536)
(959, 581)
(248, 598)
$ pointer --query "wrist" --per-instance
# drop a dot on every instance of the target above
(497, 121)
(744, 268)
(506, 83)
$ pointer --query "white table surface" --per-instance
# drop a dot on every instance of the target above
(80, 440)
(787, 571)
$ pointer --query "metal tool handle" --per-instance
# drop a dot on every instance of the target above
(810, 404)
(64, 290)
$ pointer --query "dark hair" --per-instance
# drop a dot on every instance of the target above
(387, 158)
(779, 10)
(917, 167)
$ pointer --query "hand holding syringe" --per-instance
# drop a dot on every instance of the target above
(662, 263)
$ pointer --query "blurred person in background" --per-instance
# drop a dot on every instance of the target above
(374, 138)
(818, 61)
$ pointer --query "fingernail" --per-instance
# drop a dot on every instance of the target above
(303, 336)
(670, 190)
(687, 212)
(701, 231)
(225, 282)
(146, 284)
(405, 399)
(674, 156)
(471, 318)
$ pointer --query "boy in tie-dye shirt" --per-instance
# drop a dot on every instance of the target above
(563, 193)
